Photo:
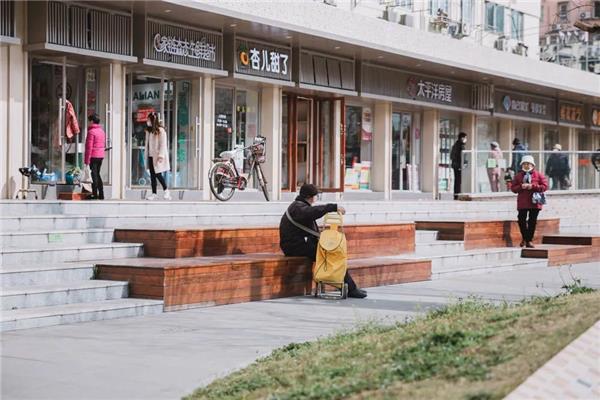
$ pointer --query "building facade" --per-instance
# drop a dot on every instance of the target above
(361, 107)
(562, 42)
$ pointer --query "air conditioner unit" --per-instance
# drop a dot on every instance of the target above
(501, 44)
(406, 19)
(585, 15)
(520, 49)
(556, 27)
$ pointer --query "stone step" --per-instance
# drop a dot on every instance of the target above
(520, 263)
(20, 297)
(562, 254)
(591, 228)
(54, 254)
(35, 274)
(17, 208)
(78, 312)
(42, 222)
(440, 247)
(425, 236)
(28, 239)
(467, 259)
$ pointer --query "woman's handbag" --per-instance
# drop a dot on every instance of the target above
(538, 198)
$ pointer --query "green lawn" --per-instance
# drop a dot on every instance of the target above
(469, 350)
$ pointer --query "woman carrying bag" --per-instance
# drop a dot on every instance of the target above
(530, 186)
(94, 154)
(158, 155)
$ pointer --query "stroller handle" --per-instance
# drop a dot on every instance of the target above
(334, 219)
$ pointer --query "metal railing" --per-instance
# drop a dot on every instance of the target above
(485, 171)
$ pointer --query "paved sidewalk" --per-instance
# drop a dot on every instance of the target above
(169, 355)
(574, 373)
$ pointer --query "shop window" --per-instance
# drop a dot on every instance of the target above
(494, 17)
(236, 120)
(359, 147)
(404, 158)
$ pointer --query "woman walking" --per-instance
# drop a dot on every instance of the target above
(94, 154)
(493, 166)
(528, 183)
(158, 155)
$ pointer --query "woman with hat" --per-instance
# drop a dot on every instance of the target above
(525, 183)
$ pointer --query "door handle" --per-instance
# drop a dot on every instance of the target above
(60, 121)
(197, 133)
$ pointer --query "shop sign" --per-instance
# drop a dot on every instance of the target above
(429, 90)
(524, 105)
(180, 45)
(595, 117)
(265, 60)
(198, 49)
(390, 82)
(572, 113)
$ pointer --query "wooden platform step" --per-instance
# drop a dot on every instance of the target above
(363, 240)
(478, 234)
(207, 281)
(561, 254)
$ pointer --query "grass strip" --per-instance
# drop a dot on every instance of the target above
(469, 350)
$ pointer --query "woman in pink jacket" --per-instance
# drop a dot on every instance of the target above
(94, 154)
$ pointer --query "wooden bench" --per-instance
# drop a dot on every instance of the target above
(363, 240)
(207, 281)
(478, 234)
(566, 249)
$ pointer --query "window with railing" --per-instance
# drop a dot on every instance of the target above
(562, 11)
(516, 25)
(494, 17)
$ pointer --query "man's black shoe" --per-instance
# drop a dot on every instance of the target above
(357, 293)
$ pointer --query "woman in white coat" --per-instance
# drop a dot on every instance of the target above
(158, 155)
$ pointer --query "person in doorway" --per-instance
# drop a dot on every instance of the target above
(596, 159)
(456, 159)
(158, 155)
(294, 241)
(558, 169)
(493, 166)
(95, 142)
(525, 183)
(517, 155)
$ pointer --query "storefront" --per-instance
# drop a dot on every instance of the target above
(571, 118)
(168, 81)
(73, 72)
(314, 117)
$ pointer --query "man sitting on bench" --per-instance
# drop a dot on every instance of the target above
(297, 242)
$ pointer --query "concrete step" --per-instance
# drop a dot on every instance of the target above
(510, 265)
(441, 263)
(42, 222)
(591, 228)
(79, 312)
(440, 247)
(18, 208)
(35, 274)
(54, 254)
(425, 236)
(19, 297)
(42, 238)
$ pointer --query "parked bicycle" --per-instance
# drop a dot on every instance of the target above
(225, 178)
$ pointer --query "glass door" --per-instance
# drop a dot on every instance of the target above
(448, 131)
(48, 95)
(402, 166)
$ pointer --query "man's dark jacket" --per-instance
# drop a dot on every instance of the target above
(293, 240)
(456, 154)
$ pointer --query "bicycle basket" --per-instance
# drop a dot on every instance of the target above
(258, 151)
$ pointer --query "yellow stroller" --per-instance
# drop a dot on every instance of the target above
(332, 259)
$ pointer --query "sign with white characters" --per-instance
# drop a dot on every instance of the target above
(524, 105)
(181, 45)
(420, 88)
(263, 60)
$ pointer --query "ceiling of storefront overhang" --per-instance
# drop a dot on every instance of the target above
(201, 19)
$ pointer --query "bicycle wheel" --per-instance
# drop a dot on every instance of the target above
(262, 181)
(218, 174)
